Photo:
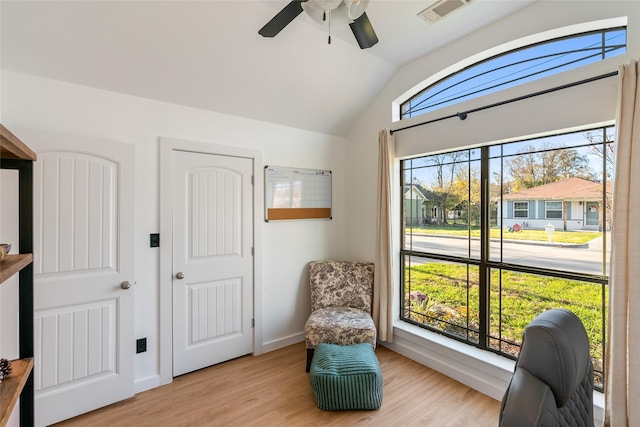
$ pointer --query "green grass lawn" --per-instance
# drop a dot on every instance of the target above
(575, 237)
(516, 298)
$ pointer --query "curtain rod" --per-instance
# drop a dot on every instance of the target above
(463, 115)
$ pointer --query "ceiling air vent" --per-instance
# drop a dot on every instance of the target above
(440, 9)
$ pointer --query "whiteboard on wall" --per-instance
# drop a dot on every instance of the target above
(295, 193)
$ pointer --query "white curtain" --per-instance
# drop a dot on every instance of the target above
(382, 285)
(622, 388)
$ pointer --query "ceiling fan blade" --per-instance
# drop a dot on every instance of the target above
(363, 31)
(282, 19)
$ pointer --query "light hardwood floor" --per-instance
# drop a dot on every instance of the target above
(273, 390)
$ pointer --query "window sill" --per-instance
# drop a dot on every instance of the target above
(481, 370)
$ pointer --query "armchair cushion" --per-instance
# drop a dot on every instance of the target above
(340, 325)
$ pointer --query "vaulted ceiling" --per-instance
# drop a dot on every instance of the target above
(208, 54)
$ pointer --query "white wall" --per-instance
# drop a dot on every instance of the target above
(586, 104)
(9, 289)
(35, 109)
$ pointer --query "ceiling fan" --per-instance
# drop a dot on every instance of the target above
(328, 12)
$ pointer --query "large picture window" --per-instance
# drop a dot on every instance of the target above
(476, 271)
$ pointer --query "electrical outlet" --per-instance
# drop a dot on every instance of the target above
(141, 345)
(154, 240)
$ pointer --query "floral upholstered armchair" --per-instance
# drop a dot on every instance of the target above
(341, 300)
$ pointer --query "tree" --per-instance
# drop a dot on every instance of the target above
(447, 166)
(466, 193)
(537, 166)
(603, 148)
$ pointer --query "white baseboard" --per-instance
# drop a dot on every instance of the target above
(146, 384)
(282, 342)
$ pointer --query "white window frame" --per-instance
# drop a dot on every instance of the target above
(520, 210)
(546, 209)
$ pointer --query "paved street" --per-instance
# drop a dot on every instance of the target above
(579, 258)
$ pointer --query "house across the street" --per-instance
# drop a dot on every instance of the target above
(568, 204)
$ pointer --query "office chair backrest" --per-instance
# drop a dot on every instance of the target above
(553, 381)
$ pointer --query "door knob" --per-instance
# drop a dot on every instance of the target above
(180, 275)
(125, 285)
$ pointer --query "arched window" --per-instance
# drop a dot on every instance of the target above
(515, 67)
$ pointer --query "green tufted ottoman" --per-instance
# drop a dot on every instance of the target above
(346, 377)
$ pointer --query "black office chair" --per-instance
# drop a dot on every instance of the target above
(553, 380)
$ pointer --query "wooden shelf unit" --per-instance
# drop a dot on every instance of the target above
(12, 148)
(14, 154)
(12, 264)
(12, 386)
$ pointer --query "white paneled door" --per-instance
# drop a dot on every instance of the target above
(212, 259)
(83, 264)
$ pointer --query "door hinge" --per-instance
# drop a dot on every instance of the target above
(252, 183)
(252, 252)
(253, 323)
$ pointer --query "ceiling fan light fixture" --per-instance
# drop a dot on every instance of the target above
(326, 4)
(337, 16)
(355, 8)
